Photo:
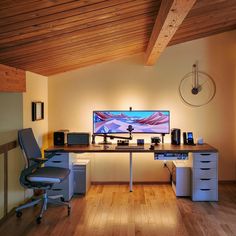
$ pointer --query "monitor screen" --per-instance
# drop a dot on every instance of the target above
(114, 122)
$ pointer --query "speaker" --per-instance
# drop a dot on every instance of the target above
(185, 138)
(175, 136)
(78, 138)
(59, 137)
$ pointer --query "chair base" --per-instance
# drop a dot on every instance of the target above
(45, 199)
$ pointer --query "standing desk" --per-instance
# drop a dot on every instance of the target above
(160, 148)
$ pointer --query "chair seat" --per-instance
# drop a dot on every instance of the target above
(49, 175)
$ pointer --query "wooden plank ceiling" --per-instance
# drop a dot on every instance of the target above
(53, 36)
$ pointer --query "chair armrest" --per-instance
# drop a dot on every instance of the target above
(39, 159)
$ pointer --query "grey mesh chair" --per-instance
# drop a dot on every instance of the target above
(35, 176)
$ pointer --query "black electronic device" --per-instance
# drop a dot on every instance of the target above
(185, 138)
(121, 142)
(78, 138)
(175, 136)
(140, 141)
(152, 146)
(60, 137)
(155, 140)
(190, 139)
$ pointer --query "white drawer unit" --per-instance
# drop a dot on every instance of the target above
(64, 188)
(204, 176)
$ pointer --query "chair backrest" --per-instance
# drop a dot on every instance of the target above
(28, 145)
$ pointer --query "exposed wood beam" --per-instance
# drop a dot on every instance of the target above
(12, 79)
(170, 16)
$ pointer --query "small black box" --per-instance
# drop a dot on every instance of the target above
(78, 138)
(59, 137)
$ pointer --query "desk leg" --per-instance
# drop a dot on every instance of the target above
(130, 173)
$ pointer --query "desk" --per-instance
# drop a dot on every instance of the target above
(160, 148)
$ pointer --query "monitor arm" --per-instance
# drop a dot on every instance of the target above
(105, 136)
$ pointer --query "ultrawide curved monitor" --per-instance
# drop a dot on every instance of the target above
(117, 122)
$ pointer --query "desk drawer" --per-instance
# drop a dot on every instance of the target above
(64, 188)
(60, 157)
(205, 164)
(205, 183)
(54, 163)
(60, 160)
(205, 173)
(206, 156)
(205, 194)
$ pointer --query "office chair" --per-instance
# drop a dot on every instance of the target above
(35, 176)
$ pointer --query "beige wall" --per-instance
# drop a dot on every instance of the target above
(11, 119)
(36, 90)
(16, 114)
(121, 84)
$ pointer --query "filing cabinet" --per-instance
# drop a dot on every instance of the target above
(204, 176)
(65, 188)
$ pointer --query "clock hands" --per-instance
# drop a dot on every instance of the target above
(195, 88)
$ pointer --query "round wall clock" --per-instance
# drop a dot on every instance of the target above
(197, 88)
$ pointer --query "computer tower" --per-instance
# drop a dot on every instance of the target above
(175, 136)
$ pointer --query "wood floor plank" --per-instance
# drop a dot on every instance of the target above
(150, 210)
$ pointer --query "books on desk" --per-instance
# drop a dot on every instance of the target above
(130, 147)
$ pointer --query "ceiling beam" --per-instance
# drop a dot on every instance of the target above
(170, 16)
(12, 79)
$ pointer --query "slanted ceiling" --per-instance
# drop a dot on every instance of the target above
(53, 36)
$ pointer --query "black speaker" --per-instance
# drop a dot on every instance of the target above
(175, 136)
(78, 138)
(59, 137)
(185, 138)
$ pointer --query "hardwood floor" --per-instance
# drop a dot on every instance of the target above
(149, 210)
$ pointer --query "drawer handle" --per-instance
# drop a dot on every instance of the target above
(205, 168)
(57, 189)
(205, 161)
(205, 189)
(205, 179)
(205, 154)
(56, 161)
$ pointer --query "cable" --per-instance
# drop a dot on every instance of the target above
(166, 166)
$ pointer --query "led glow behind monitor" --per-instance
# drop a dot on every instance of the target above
(116, 122)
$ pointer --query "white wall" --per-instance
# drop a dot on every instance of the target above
(121, 84)
(36, 90)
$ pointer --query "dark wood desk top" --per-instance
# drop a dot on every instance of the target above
(112, 148)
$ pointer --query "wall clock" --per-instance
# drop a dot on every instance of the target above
(197, 88)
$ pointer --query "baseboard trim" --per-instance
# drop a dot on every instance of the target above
(10, 213)
(126, 182)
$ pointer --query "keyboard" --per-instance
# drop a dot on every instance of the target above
(129, 147)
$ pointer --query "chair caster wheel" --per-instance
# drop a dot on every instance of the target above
(68, 210)
(18, 214)
(38, 220)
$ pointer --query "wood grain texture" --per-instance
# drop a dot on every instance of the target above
(4, 149)
(151, 210)
(53, 36)
(167, 147)
(170, 16)
(12, 79)
(206, 18)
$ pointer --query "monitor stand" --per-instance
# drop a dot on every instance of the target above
(105, 140)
